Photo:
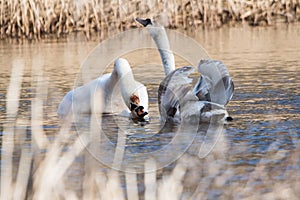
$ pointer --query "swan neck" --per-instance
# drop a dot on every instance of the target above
(123, 75)
(160, 38)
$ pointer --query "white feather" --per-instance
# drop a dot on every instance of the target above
(213, 90)
(160, 38)
(116, 86)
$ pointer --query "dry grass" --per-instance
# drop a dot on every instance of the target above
(45, 176)
(37, 18)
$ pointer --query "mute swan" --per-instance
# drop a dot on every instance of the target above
(210, 94)
(160, 37)
(205, 102)
(134, 94)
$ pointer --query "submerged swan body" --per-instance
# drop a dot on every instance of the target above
(206, 100)
(133, 93)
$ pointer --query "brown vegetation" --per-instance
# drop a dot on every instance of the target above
(34, 18)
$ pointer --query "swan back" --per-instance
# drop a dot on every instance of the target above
(173, 90)
(203, 111)
(175, 95)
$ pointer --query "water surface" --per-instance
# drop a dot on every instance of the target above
(264, 135)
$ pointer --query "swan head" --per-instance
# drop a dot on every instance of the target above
(138, 111)
(144, 22)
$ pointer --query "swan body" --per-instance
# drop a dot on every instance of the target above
(205, 102)
(203, 111)
(78, 100)
(176, 96)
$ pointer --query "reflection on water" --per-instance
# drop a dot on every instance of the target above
(266, 107)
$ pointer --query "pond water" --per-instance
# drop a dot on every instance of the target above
(257, 150)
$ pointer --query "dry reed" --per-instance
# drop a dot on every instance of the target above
(45, 177)
(35, 19)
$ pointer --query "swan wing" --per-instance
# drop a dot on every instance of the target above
(215, 84)
(172, 90)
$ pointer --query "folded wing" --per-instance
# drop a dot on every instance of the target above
(172, 90)
(215, 84)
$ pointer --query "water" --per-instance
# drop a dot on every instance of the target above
(256, 150)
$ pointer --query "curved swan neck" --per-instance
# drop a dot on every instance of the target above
(122, 74)
(160, 38)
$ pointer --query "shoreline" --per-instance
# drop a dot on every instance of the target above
(98, 37)
(38, 20)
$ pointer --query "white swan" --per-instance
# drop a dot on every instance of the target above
(160, 37)
(134, 94)
(206, 101)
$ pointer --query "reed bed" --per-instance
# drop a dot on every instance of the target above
(41, 169)
(37, 18)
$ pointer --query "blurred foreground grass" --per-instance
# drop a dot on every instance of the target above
(41, 169)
